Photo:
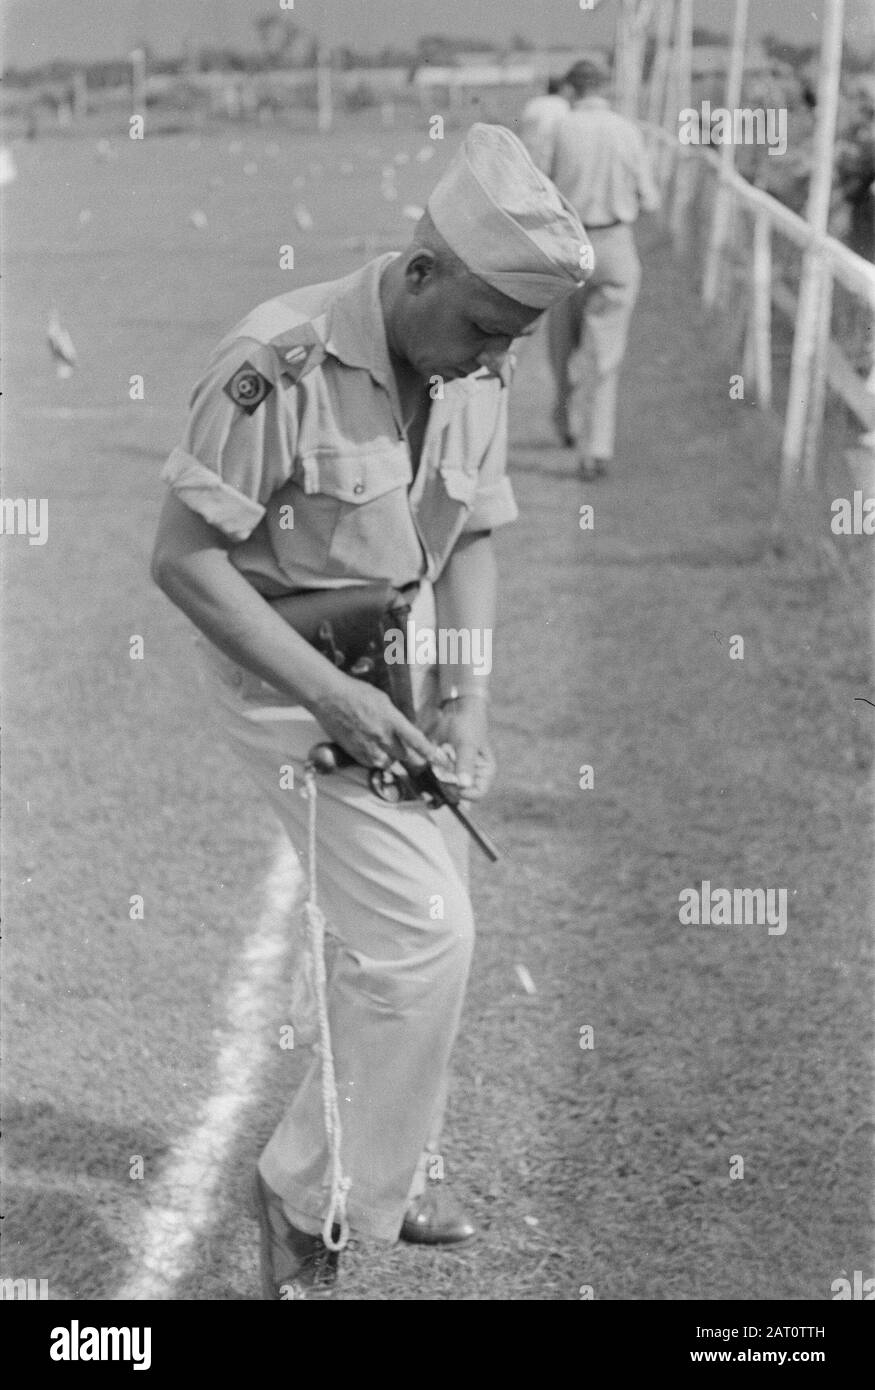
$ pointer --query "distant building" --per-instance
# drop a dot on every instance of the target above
(483, 69)
(477, 58)
(712, 60)
(555, 62)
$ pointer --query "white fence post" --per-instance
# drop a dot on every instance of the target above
(722, 199)
(684, 173)
(656, 95)
(806, 337)
(760, 323)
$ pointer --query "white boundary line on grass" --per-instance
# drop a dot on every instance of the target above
(181, 1204)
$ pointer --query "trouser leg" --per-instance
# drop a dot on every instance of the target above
(395, 997)
(430, 1162)
(595, 372)
(563, 340)
(401, 937)
(459, 844)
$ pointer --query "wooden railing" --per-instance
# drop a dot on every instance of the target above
(678, 169)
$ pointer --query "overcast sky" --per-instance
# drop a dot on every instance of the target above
(39, 29)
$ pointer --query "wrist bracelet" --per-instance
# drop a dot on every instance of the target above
(457, 694)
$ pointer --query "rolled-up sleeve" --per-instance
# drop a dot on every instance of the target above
(494, 503)
(238, 446)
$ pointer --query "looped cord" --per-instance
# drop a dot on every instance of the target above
(340, 1185)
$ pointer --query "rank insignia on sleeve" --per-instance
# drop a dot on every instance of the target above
(248, 388)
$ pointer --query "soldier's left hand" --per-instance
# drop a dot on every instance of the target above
(463, 725)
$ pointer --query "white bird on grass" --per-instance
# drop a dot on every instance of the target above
(387, 185)
(60, 346)
(8, 171)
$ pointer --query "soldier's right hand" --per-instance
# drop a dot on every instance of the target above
(364, 721)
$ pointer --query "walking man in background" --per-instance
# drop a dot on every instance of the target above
(540, 118)
(598, 161)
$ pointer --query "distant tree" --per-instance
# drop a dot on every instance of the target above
(169, 67)
(797, 55)
(393, 58)
(60, 70)
(112, 73)
(273, 34)
(437, 50)
(855, 166)
(283, 42)
(520, 44)
(707, 38)
(222, 60)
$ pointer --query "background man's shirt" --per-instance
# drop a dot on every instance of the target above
(295, 449)
(599, 162)
(538, 122)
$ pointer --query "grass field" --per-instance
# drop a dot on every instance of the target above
(607, 1167)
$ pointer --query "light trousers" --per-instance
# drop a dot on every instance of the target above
(587, 334)
(392, 884)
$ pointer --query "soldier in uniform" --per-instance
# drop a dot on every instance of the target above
(344, 433)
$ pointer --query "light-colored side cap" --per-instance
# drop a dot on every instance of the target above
(508, 222)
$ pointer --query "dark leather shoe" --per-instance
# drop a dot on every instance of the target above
(435, 1218)
(562, 427)
(294, 1265)
(589, 468)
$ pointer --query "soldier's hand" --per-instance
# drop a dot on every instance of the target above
(364, 721)
(463, 725)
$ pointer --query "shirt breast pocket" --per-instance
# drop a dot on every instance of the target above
(351, 513)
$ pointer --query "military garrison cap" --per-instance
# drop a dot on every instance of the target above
(508, 222)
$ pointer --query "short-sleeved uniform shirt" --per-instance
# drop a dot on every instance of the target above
(540, 117)
(295, 448)
(599, 162)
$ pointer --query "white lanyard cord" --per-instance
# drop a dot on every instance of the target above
(340, 1185)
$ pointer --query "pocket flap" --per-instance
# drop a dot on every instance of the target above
(355, 478)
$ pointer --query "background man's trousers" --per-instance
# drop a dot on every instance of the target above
(587, 334)
(391, 881)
